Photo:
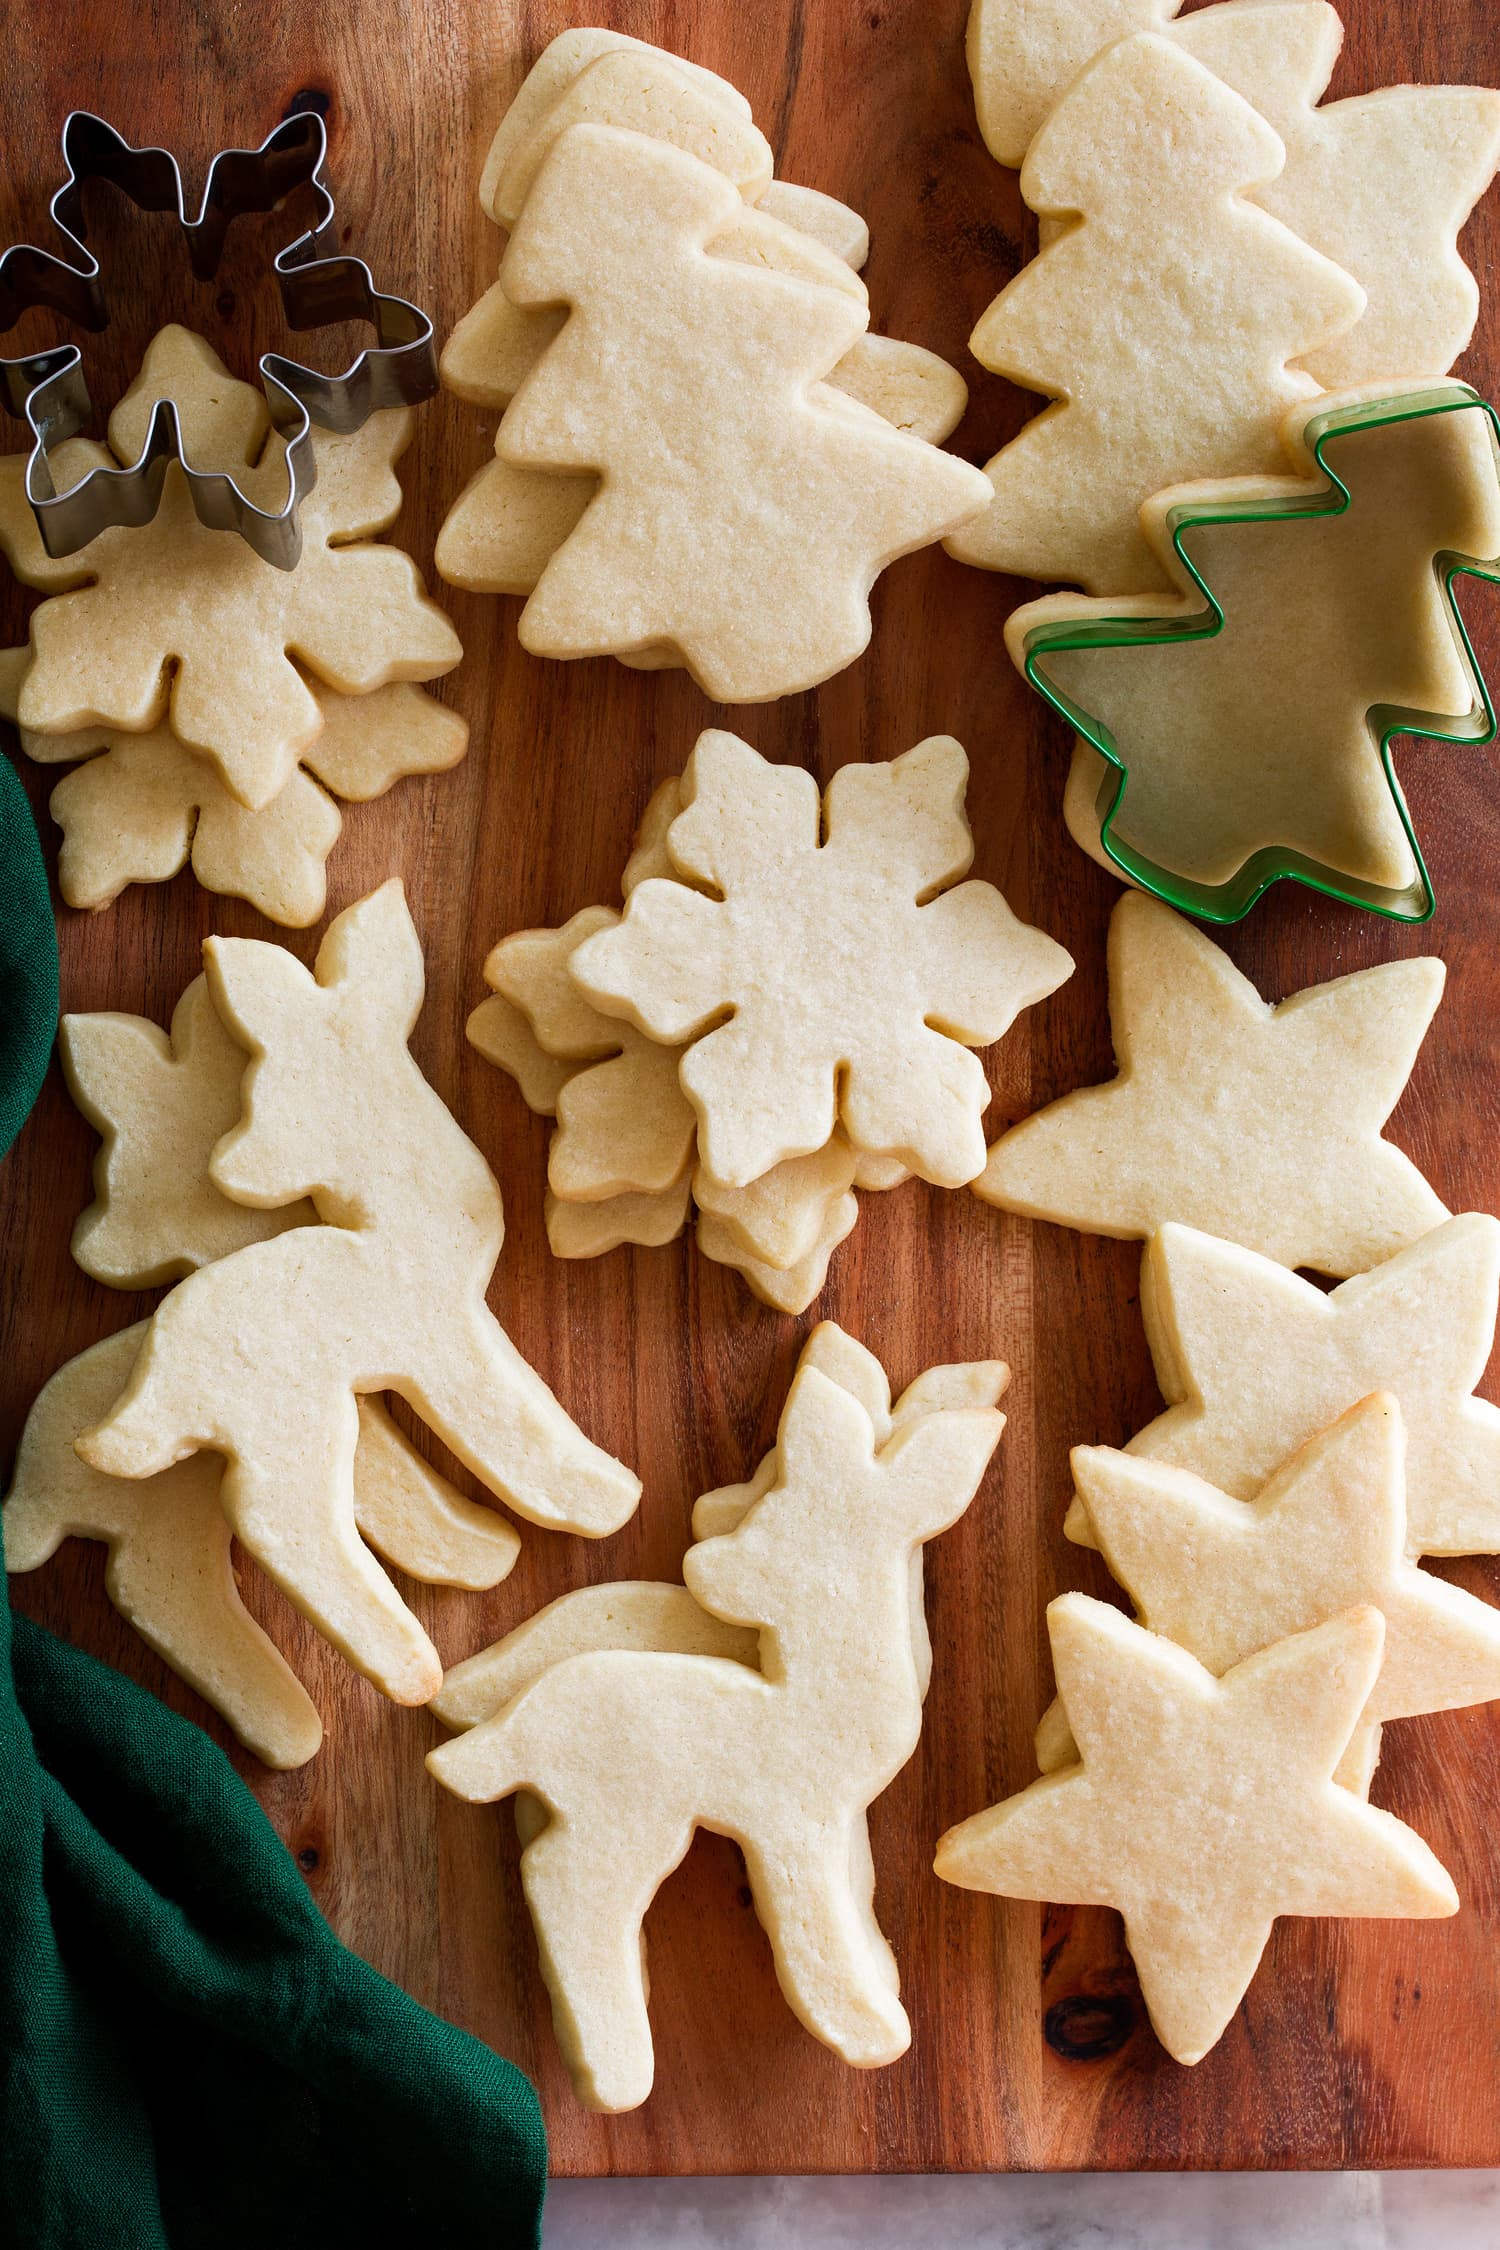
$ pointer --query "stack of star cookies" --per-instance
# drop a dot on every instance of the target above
(214, 707)
(1206, 1768)
(834, 936)
(679, 347)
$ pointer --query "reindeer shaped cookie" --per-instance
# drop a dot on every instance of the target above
(631, 1751)
(262, 1356)
(170, 1570)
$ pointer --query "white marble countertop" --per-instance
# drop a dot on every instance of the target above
(1081, 2211)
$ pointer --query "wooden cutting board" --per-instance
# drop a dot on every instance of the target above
(1359, 2044)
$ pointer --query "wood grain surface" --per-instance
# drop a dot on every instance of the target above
(1359, 2044)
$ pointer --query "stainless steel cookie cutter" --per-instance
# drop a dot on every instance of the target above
(47, 389)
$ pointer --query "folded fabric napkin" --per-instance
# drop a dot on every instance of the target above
(28, 960)
(189, 2059)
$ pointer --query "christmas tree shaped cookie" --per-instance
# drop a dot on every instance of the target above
(595, 76)
(502, 530)
(1157, 157)
(1250, 737)
(1381, 183)
(1202, 1808)
(169, 618)
(856, 977)
(1223, 1578)
(1258, 1123)
(263, 1355)
(692, 385)
(631, 1750)
(1024, 54)
(1253, 1361)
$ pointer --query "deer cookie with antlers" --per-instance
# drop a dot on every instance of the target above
(263, 1355)
(631, 1750)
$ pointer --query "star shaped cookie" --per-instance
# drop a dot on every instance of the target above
(1225, 1577)
(1203, 1808)
(1258, 1123)
(1253, 1361)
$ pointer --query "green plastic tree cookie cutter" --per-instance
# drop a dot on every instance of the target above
(1231, 900)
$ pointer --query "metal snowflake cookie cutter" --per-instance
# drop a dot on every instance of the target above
(1232, 899)
(47, 389)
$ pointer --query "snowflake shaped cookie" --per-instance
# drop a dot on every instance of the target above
(141, 806)
(169, 618)
(854, 979)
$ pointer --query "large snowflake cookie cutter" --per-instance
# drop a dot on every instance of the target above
(47, 389)
(1133, 626)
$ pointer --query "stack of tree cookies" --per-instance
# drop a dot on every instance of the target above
(704, 457)
(1272, 268)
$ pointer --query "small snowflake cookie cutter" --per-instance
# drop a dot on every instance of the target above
(47, 389)
(1232, 899)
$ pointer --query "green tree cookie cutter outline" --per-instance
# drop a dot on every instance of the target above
(1231, 900)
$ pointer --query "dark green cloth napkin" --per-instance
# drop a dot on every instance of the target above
(28, 960)
(189, 2060)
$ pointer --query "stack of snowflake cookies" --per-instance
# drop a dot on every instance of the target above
(1206, 1767)
(858, 972)
(704, 457)
(336, 1230)
(213, 707)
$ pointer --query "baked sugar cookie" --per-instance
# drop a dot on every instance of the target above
(1203, 1809)
(833, 957)
(693, 386)
(785, 1760)
(644, 1613)
(1265, 736)
(262, 1355)
(502, 530)
(598, 77)
(142, 806)
(1024, 54)
(624, 1124)
(170, 1570)
(1152, 160)
(160, 1102)
(1382, 182)
(169, 619)
(1328, 1532)
(1258, 1123)
(1254, 1361)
